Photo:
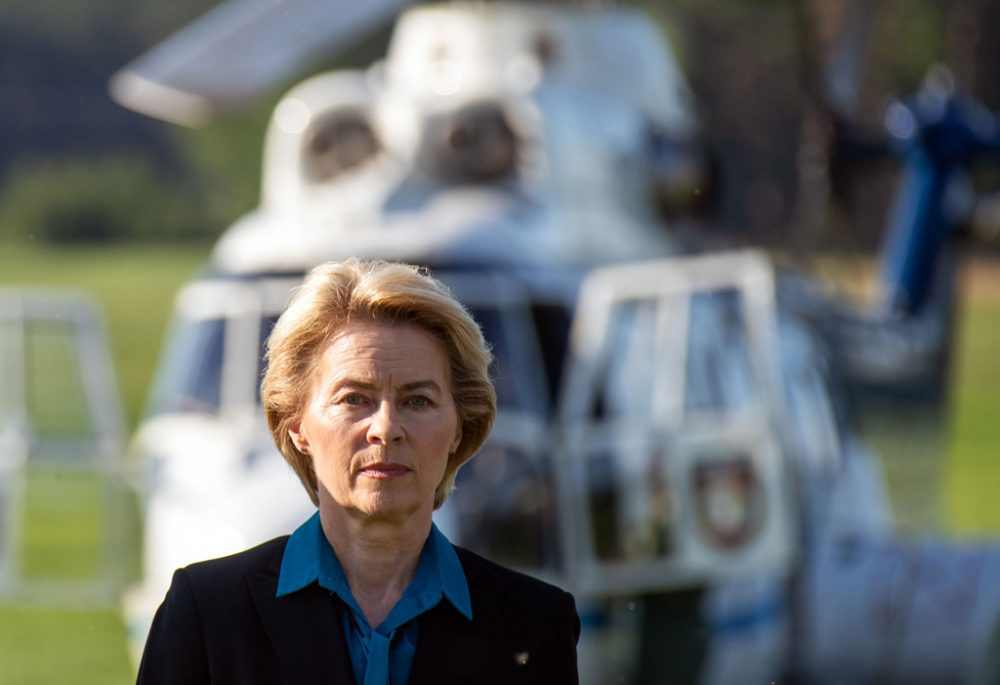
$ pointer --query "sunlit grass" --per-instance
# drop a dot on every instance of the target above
(911, 447)
(62, 524)
(946, 475)
(46, 646)
(69, 518)
(972, 482)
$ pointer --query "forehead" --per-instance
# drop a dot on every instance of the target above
(384, 346)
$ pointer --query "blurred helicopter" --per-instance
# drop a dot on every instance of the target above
(667, 428)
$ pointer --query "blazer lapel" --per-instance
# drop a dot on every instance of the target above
(452, 649)
(304, 628)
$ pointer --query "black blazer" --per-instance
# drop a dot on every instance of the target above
(221, 623)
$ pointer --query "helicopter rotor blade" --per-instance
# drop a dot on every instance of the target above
(834, 41)
(845, 64)
(238, 51)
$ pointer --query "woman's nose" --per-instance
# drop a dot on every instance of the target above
(385, 426)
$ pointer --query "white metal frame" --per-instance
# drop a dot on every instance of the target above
(20, 446)
(669, 438)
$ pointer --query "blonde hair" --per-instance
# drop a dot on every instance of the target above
(335, 293)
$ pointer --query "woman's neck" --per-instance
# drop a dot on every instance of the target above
(379, 557)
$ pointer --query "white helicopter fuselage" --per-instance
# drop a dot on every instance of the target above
(679, 433)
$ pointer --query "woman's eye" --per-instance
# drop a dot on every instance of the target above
(419, 401)
(353, 399)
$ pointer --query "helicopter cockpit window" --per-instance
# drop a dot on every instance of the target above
(503, 377)
(191, 377)
(266, 325)
(511, 391)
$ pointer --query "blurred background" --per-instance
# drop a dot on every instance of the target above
(126, 208)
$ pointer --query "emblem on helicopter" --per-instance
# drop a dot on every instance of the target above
(730, 502)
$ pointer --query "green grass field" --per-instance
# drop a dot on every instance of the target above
(62, 541)
(136, 287)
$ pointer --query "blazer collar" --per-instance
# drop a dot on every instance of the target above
(306, 633)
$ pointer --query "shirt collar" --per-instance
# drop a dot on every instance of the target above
(454, 585)
(308, 558)
(300, 563)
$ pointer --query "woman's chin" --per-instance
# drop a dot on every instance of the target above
(383, 503)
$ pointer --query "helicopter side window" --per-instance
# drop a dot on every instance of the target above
(719, 374)
(191, 377)
(489, 321)
(512, 394)
(628, 386)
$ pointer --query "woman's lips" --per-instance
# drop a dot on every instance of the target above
(385, 471)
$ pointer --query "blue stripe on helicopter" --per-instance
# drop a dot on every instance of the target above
(721, 623)
(763, 611)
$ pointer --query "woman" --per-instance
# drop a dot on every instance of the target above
(376, 393)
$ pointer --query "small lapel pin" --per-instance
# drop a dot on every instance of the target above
(521, 658)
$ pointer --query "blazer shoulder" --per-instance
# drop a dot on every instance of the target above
(264, 558)
(208, 628)
(479, 569)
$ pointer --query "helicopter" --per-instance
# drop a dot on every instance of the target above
(670, 426)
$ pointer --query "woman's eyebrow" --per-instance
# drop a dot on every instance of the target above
(357, 384)
(352, 383)
(421, 384)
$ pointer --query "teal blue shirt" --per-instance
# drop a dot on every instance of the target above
(383, 655)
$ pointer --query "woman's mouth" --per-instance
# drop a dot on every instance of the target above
(385, 471)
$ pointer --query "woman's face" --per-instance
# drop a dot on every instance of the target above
(379, 421)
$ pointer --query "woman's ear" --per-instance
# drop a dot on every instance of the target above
(298, 439)
(458, 439)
